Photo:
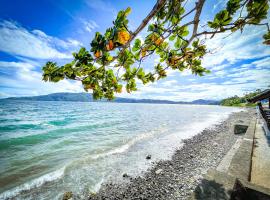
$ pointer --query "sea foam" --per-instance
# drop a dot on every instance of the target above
(33, 184)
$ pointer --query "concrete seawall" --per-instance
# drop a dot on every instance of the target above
(235, 178)
(240, 165)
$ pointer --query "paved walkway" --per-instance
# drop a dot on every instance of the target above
(260, 171)
(226, 161)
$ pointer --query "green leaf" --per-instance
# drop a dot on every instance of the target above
(137, 55)
(172, 37)
(140, 73)
(178, 43)
(128, 11)
(223, 17)
(195, 43)
(233, 6)
(151, 27)
(185, 32)
(137, 45)
(174, 19)
(181, 11)
(109, 58)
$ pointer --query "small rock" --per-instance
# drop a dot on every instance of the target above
(148, 157)
(215, 144)
(158, 171)
(92, 194)
(67, 195)
(125, 175)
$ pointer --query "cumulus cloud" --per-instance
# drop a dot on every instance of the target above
(26, 81)
(235, 47)
(18, 41)
(237, 81)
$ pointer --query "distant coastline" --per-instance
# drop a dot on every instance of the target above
(86, 97)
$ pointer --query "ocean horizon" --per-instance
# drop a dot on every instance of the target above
(48, 148)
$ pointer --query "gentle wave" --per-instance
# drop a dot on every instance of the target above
(33, 184)
(191, 130)
(124, 147)
(59, 173)
(19, 127)
(118, 150)
(98, 142)
(45, 134)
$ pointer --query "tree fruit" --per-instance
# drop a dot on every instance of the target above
(97, 54)
(157, 40)
(110, 45)
(123, 37)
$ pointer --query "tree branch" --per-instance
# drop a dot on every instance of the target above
(155, 9)
(199, 6)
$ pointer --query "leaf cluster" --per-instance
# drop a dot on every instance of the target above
(115, 59)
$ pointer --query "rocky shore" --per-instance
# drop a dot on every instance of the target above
(177, 178)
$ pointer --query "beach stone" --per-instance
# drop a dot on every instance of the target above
(158, 171)
(67, 195)
(125, 175)
(148, 157)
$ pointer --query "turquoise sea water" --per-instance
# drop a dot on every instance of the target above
(47, 148)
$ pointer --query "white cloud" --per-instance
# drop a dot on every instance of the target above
(101, 5)
(17, 65)
(235, 47)
(169, 83)
(244, 78)
(26, 81)
(219, 67)
(89, 25)
(18, 41)
(219, 4)
(262, 64)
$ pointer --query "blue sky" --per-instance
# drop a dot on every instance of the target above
(33, 32)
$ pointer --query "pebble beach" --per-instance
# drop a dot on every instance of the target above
(178, 177)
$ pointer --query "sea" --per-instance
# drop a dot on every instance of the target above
(50, 147)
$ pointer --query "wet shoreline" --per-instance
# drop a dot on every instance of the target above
(178, 177)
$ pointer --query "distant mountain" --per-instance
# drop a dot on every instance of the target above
(206, 102)
(86, 97)
(65, 96)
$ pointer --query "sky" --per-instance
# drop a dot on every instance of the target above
(34, 32)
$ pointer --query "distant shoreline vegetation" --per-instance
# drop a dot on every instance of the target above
(240, 101)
